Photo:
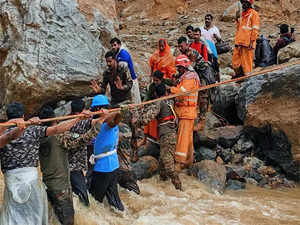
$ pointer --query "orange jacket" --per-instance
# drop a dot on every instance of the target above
(186, 106)
(151, 129)
(247, 28)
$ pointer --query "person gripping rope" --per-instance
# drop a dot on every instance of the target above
(186, 111)
(104, 181)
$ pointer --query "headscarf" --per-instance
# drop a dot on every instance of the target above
(163, 61)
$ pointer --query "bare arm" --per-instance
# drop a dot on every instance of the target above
(62, 127)
(8, 137)
(113, 119)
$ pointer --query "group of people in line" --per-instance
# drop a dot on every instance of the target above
(81, 155)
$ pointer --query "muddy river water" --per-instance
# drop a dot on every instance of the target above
(160, 204)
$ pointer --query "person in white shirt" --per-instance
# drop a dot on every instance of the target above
(209, 31)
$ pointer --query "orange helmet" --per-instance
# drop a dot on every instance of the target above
(250, 1)
(182, 60)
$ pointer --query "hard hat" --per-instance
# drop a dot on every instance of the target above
(100, 100)
(182, 60)
(250, 1)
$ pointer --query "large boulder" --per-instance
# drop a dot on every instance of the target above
(210, 173)
(289, 52)
(145, 167)
(224, 102)
(52, 54)
(273, 99)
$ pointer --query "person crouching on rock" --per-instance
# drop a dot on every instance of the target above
(104, 180)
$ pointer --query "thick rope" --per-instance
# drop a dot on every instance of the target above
(131, 106)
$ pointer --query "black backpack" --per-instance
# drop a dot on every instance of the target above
(264, 55)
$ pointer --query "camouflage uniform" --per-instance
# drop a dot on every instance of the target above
(199, 65)
(76, 141)
(117, 96)
(167, 136)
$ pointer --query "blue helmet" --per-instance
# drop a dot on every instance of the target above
(100, 100)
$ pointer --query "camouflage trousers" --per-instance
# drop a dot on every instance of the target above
(203, 100)
(167, 154)
(62, 202)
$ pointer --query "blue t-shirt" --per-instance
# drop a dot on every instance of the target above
(213, 48)
(107, 140)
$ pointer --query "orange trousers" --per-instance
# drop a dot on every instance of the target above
(184, 147)
(243, 57)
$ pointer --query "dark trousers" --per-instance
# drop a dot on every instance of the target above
(62, 202)
(79, 186)
(106, 184)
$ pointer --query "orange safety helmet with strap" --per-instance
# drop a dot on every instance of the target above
(182, 60)
(186, 106)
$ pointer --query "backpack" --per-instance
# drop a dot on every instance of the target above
(264, 55)
(287, 40)
(222, 47)
(211, 59)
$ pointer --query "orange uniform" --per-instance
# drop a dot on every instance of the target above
(186, 111)
(247, 29)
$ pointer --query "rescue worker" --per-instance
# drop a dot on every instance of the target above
(186, 111)
(124, 60)
(75, 142)
(25, 200)
(119, 80)
(164, 112)
(202, 68)
(247, 29)
(105, 172)
(55, 167)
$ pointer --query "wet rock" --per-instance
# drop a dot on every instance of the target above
(253, 162)
(226, 136)
(266, 170)
(202, 140)
(225, 154)
(210, 173)
(255, 175)
(238, 158)
(54, 55)
(145, 167)
(211, 121)
(204, 153)
(150, 149)
(243, 145)
(273, 99)
(235, 185)
(289, 52)
(264, 181)
(224, 102)
(251, 181)
(273, 147)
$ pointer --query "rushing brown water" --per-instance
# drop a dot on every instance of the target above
(160, 204)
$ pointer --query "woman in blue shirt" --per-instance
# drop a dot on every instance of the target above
(104, 177)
